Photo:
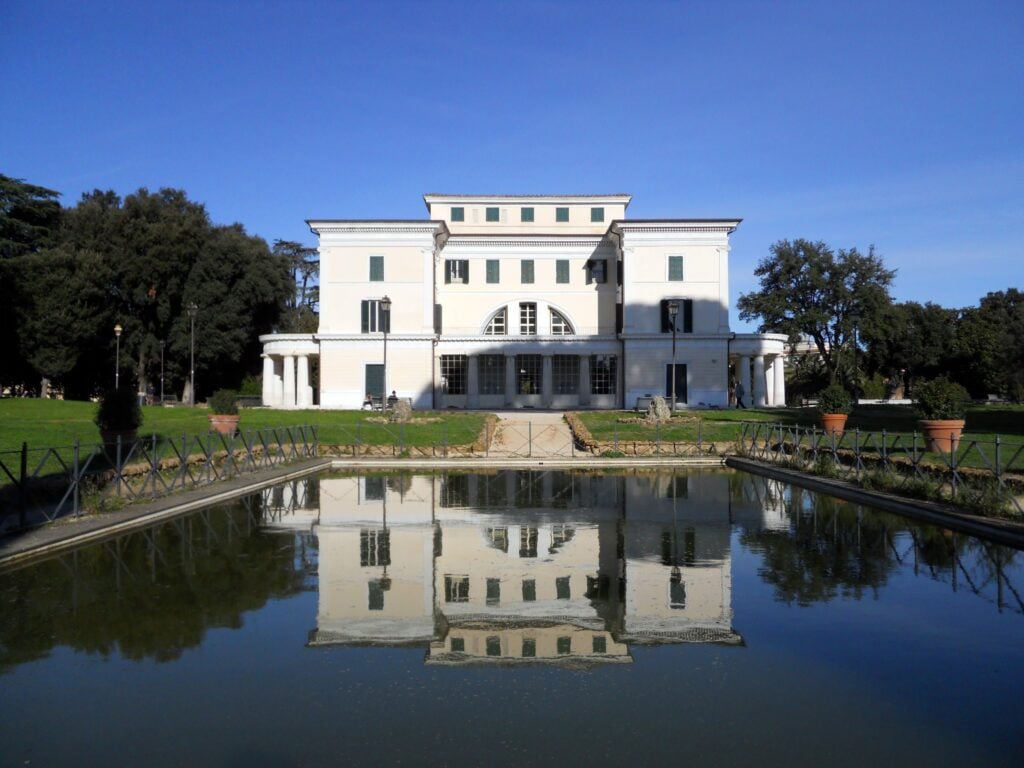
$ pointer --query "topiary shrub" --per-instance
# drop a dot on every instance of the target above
(834, 399)
(119, 411)
(941, 399)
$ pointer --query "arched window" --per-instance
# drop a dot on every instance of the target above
(559, 325)
(498, 324)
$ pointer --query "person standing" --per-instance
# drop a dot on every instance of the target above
(740, 394)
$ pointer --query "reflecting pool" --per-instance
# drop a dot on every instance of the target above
(519, 618)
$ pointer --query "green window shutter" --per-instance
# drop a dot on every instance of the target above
(597, 214)
(526, 270)
(458, 214)
(365, 318)
(376, 269)
(492, 214)
(526, 214)
(561, 214)
(447, 271)
(493, 271)
(562, 271)
(675, 267)
(687, 315)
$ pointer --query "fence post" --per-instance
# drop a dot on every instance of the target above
(657, 438)
(856, 451)
(444, 438)
(999, 471)
(153, 464)
(529, 438)
(316, 441)
(401, 438)
(615, 436)
(952, 463)
(117, 466)
(700, 434)
(885, 451)
(23, 484)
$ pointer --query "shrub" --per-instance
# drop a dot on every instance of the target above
(252, 386)
(834, 399)
(223, 402)
(119, 411)
(941, 399)
(874, 388)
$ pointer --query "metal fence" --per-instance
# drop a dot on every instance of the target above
(995, 465)
(43, 484)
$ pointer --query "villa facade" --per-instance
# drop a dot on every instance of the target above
(540, 301)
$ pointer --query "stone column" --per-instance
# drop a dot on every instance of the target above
(584, 379)
(759, 400)
(288, 392)
(473, 381)
(769, 385)
(510, 379)
(743, 377)
(268, 381)
(302, 393)
(779, 380)
(547, 385)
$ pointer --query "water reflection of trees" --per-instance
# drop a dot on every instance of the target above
(830, 547)
(154, 593)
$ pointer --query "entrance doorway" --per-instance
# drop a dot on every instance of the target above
(680, 383)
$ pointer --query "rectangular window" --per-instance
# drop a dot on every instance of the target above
(528, 318)
(561, 214)
(498, 537)
(493, 591)
(373, 318)
(455, 491)
(597, 214)
(454, 374)
(526, 214)
(529, 590)
(456, 270)
(565, 374)
(529, 648)
(603, 374)
(373, 486)
(458, 645)
(493, 214)
(562, 588)
(675, 268)
(562, 271)
(492, 374)
(493, 271)
(564, 645)
(374, 547)
(599, 644)
(684, 316)
(527, 541)
(529, 374)
(375, 598)
(458, 214)
(493, 644)
(526, 270)
(597, 271)
(376, 269)
(456, 589)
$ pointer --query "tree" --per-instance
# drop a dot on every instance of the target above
(809, 290)
(990, 345)
(915, 339)
(304, 265)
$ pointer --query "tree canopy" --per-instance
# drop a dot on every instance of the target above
(807, 289)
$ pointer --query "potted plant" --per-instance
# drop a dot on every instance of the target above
(223, 416)
(118, 416)
(835, 404)
(942, 405)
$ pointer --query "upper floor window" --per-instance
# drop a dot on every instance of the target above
(526, 214)
(561, 214)
(675, 268)
(528, 318)
(498, 324)
(376, 269)
(493, 271)
(597, 214)
(456, 270)
(559, 325)
(459, 214)
(597, 271)
(526, 271)
(373, 317)
(684, 315)
(562, 271)
(493, 214)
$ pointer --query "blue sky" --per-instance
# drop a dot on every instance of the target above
(898, 124)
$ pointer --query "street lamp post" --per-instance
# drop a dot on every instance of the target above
(162, 345)
(117, 356)
(385, 323)
(673, 311)
(192, 309)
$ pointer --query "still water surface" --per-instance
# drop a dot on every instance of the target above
(519, 618)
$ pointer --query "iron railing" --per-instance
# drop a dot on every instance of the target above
(852, 454)
(39, 485)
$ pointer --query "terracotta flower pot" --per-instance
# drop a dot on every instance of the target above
(223, 423)
(834, 423)
(942, 435)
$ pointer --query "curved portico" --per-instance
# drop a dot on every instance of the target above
(759, 360)
(286, 369)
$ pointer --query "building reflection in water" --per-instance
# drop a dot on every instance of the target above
(521, 566)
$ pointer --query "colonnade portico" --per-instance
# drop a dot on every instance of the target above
(286, 378)
(760, 369)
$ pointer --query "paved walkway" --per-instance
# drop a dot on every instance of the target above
(533, 434)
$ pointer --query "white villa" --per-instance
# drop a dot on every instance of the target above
(523, 301)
